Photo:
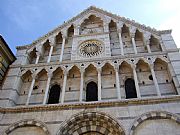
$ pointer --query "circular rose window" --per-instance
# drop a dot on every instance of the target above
(90, 48)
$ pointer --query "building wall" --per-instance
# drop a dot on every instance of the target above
(147, 57)
(6, 58)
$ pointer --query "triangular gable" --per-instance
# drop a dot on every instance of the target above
(88, 12)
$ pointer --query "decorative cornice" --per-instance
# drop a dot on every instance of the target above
(93, 60)
(23, 47)
(116, 103)
(165, 32)
(123, 19)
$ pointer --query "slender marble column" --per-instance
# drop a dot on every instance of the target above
(148, 46)
(62, 49)
(64, 87)
(133, 42)
(117, 83)
(121, 43)
(81, 86)
(76, 30)
(147, 43)
(31, 88)
(37, 58)
(106, 27)
(155, 80)
(174, 78)
(47, 88)
(50, 53)
(136, 82)
(99, 84)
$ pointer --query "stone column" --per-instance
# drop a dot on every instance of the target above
(106, 27)
(99, 84)
(133, 42)
(76, 30)
(64, 86)
(50, 53)
(162, 45)
(62, 48)
(81, 86)
(147, 43)
(47, 88)
(155, 80)
(174, 78)
(136, 81)
(148, 46)
(37, 58)
(117, 83)
(121, 43)
(31, 88)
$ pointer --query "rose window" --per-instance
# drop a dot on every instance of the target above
(91, 48)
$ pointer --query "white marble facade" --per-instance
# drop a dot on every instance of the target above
(111, 74)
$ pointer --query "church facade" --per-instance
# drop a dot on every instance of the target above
(96, 74)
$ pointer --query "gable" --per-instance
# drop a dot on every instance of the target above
(104, 15)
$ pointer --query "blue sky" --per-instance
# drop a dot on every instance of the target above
(23, 21)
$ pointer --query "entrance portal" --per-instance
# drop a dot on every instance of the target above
(91, 123)
(130, 88)
(54, 94)
(91, 92)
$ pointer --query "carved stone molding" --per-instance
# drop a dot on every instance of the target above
(125, 102)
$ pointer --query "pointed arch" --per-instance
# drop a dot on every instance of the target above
(142, 62)
(87, 17)
(114, 38)
(90, 77)
(112, 26)
(73, 83)
(91, 65)
(25, 82)
(145, 79)
(108, 81)
(58, 38)
(92, 24)
(70, 31)
(125, 67)
(164, 77)
(126, 40)
(45, 51)
(155, 44)
(139, 40)
(108, 67)
(32, 56)
(57, 77)
(125, 72)
(24, 72)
